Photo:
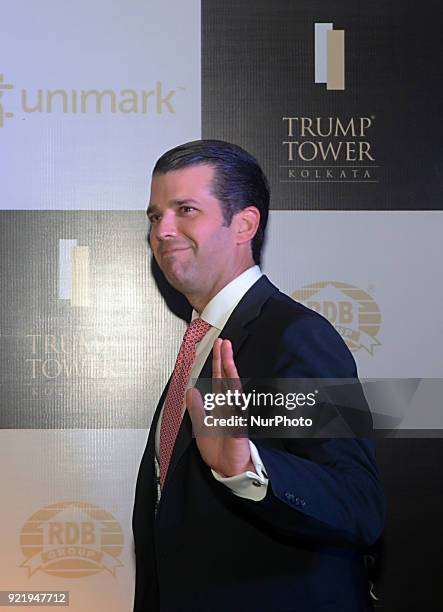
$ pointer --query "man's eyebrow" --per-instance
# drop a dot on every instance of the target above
(152, 208)
(180, 201)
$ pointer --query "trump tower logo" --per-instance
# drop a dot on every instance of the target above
(71, 540)
(73, 272)
(352, 311)
(329, 45)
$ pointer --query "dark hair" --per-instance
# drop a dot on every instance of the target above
(238, 179)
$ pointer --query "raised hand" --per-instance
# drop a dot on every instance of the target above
(226, 455)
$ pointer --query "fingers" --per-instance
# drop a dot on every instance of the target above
(223, 365)
(227, 360)
(217, 359)
(194, 405)
(194, 401)
(224, 370)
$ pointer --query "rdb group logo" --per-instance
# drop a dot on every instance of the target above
(71, 540)
(352, 311)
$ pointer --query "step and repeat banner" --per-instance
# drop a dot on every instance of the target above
(339, 102)
(90, 94)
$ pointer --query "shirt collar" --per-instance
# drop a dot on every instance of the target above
(218, 310)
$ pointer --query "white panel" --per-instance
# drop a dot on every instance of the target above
(321, 51)
(97, 468)
(59, 157)
(395, 257)
(65, 268)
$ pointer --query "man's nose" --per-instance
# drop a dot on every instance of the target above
(166, 226)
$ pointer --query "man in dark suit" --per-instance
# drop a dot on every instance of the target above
(232, 524)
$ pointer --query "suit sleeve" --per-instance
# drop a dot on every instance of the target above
(324, 490)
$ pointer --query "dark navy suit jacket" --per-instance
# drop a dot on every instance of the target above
(300, 548)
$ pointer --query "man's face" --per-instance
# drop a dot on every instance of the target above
(192, 246)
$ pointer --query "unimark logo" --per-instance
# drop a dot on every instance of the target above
(62, 101)
(4, 114)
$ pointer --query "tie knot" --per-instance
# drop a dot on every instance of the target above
(196, 331)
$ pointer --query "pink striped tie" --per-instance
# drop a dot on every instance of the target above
(175, 399)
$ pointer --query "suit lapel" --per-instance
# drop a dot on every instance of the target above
(236, 331)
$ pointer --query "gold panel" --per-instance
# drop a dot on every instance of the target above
(336, 59)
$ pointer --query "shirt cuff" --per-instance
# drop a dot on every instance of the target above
(249, 485)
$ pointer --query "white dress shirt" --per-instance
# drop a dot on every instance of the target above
(249, 485)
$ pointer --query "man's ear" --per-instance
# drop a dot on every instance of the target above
(246, 223)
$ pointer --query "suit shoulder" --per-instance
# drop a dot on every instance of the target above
(282, 307)
(305, 333)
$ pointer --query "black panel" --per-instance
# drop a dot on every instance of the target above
(63, 365)
(258, 66)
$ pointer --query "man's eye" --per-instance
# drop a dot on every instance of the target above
(153, 218)
(186, 209)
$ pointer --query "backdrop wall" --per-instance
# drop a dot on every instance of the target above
(340, 104)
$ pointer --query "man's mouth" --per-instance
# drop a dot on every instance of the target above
(173, 250)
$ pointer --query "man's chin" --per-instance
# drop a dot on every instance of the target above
(176, 280)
